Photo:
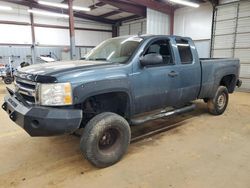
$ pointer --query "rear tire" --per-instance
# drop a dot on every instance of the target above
(8, 80)
(218, 104)
(105, 139)
(205, 100)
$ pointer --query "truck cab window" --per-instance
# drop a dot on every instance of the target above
(184, 51)
(161, 47)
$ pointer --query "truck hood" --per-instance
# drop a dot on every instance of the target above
(48, 72)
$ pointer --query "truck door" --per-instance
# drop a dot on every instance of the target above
(156, 86)
(189, 69)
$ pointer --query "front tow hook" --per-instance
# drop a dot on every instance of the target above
(4, 106)
(13, 116)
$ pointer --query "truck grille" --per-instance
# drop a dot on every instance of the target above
(27, 89)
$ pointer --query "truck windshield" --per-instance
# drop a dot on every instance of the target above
(115, 50)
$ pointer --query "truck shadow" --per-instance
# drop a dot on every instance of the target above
(161, 125)
(139, 132)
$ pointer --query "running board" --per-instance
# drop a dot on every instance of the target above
(163, 114)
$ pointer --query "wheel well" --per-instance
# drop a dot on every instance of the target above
(229, 82)
(116, 102)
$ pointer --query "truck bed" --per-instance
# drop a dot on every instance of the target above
(212, 71)
(205, 60)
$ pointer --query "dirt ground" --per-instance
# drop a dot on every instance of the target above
(203, 151)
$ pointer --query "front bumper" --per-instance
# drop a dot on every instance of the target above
(41, 121)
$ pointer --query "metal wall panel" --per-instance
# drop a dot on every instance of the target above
(144, 27)
(203, 48)
(157, 23)
(226, 1)
(226, 12)
(223, 53)
(245, 84)
(84, 51)
(194, 23)
(18, 54)
(124, 30)
(222, 41)
(243, 54)
(231, 35)
(15, 34)
(242, 40)
(244, 9)
(243, 25)
(245, 71)
(225, 27)
(133, 27)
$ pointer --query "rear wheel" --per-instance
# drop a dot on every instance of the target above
(218, 104)
(8, 80)
(205, 100)
(105, 139)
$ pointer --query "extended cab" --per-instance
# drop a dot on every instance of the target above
(119, 80)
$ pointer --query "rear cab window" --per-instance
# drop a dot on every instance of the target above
(184, 50)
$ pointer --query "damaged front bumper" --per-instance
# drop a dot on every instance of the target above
(38, 120)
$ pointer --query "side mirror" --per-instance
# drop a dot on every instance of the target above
(151, 59)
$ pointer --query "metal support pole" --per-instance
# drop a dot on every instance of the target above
(72, 31)
(171, 30)
(33, 46)
(214, 3)
(115, 30)
(235, 30)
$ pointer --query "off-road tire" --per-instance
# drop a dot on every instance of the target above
(105, 139)
(218, 104)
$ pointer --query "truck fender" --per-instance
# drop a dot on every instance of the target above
(85, 91)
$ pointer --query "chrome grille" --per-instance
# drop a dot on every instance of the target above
(27, 89)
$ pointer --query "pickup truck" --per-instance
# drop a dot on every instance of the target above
(118, 82)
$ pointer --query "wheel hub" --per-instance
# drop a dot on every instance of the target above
(108, 139)
(221, 101)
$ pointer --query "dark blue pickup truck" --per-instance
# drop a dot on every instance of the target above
(113, 87)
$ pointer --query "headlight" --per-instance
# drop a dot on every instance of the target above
(58, 94)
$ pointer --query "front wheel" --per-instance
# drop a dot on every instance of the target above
(105, 139)
(218, 104)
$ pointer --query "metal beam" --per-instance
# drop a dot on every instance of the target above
(53, 26)
(115, 29)
(155, 5)
(92, 7)
(127, 7)
(65, 27)
(34, 4)
(133, 17)
(96, 5)
(72, 31)
(171, 18)
(13, 22)
(110, 13)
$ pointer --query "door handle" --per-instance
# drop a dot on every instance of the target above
(173, 74)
